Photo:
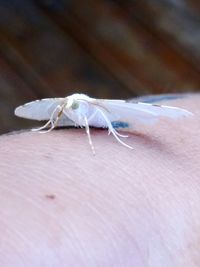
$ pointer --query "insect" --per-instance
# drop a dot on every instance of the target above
(84, 111)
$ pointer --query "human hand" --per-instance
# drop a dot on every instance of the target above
(62, 206)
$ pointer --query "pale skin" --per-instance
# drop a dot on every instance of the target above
(62, 206)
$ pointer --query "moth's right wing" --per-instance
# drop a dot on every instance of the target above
(41, 110)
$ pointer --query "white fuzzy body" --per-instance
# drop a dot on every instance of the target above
(85, 110)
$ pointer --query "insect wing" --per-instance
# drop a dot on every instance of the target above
(165, 111)
(39, 109)
(127, 112)
(142, 112)
(64, 121)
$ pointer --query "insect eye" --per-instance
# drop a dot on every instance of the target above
(75, 105)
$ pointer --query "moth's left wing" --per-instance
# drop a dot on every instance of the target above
(166, 111)
(127, 112)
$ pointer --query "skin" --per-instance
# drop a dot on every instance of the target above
(62, 206)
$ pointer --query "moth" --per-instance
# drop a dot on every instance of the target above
(80, 110)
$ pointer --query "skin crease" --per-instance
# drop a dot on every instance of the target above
(62, 206)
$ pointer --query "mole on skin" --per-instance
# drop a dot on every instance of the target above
(50, 196)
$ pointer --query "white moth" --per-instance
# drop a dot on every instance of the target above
(84, 111)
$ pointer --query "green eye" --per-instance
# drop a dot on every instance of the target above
(75, 105)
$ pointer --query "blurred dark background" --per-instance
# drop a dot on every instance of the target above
(106, 48)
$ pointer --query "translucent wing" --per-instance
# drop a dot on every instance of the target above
(41, 110)
(166, 111)
(128, 113)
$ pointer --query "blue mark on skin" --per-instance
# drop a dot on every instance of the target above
(119, 124)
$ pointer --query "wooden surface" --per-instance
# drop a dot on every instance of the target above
(108, 49)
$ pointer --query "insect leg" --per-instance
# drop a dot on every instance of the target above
(88, 134)
(41, 128)
(112, 130)
(94, 114)
(118, 134)
(51, 121)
